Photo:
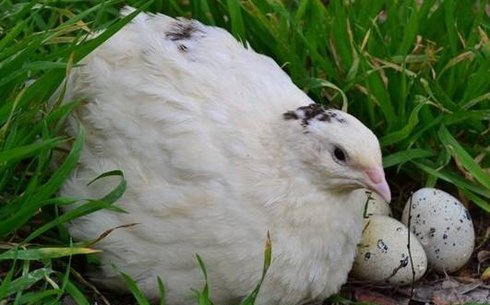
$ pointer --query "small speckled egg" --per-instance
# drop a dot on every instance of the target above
(377, 206)
(443, 226)
(383, 256)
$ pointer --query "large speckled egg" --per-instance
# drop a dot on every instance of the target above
(383, 253)
(443, 226)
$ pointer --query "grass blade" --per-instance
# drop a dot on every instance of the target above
(460, 154)
(44, 253)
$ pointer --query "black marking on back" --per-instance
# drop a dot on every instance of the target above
(290, 115)
(183, 30)
(182, 48)
(314, 112)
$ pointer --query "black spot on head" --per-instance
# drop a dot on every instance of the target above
(335, 116)
(367, 256)
(467, 214)
(444, 236)
(324, 118)
(313, 112)
(182, 30)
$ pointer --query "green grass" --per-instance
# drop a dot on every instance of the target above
(417, 74)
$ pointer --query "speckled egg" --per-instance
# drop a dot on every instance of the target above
(383, 254)
(443, 226)
(376, 205)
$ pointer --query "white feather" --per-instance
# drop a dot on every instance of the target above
(196, 123)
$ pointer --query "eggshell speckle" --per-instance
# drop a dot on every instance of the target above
(383, 255)
(443, 226)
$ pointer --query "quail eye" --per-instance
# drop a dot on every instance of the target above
(339, 154)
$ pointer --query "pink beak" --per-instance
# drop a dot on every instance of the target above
(378, 182)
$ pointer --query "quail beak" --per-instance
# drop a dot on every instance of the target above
(377, 182)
